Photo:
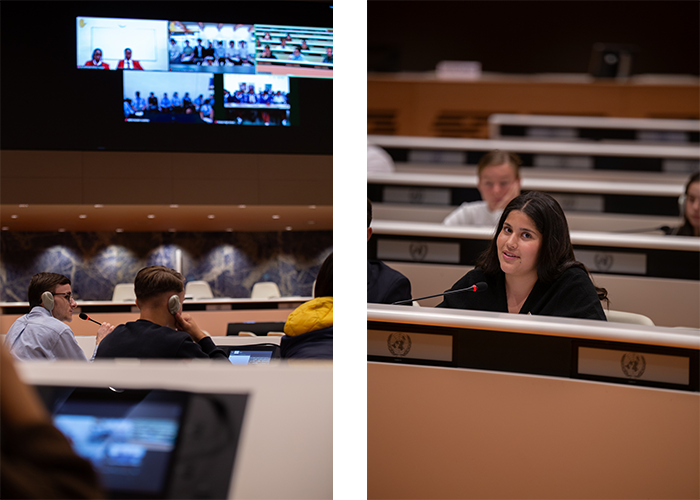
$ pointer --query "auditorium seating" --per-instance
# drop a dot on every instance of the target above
(198, 290)
(265, 290)
(123, 292)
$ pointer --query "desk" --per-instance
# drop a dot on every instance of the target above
(584, 195)
(212, 315)
(593, 128)
(288, 426)
(511, 416)
(658, 276)
(550, 154)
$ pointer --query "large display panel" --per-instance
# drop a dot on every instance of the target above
(55, 106)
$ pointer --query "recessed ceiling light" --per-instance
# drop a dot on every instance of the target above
(151, 216)
(241, 206)
(288, 228)
(312, 206)
(311, 222)
(172, 230)
(99, 206)
(229, 229)
(120, 230)
(23, 205)
(5, 228)
(174, 206)
(211, 216)
(61, 230)
(14, 216)
(275, 216)
(82, 216)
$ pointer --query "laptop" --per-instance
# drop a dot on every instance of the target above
(254, 354)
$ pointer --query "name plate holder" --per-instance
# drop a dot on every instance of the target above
(401, 345)
(633, 365)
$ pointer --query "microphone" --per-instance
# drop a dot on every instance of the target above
(481, 286)
(88, 318)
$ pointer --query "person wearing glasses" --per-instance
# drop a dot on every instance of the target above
(43, 333)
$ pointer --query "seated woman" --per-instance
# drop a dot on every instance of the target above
(530, 266)
(309, 328)
(690, 208)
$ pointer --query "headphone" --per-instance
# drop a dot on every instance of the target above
(681, 205)
(47, 301)
(174, 304)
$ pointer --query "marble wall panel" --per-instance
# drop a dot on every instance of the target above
(230, 262)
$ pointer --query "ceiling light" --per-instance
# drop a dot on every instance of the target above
(23, 205)
(241, 206)
(99, 206)
(120, 230)
(14, 216)
(275, 217)
(174, 206)
(229, 229)
(151, 216)
(288, 228)
(82, 216)
(312, 206)
(311, 222)
(211, 216)
(5, 228)
(61, 229)
(172, 230)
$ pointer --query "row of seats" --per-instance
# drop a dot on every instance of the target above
(199, 290)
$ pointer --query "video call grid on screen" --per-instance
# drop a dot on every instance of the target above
(180, 46)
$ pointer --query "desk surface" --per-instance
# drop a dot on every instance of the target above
(299, 456)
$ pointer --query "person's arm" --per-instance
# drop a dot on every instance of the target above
(37, 460)
(205, 344)
(67, 347)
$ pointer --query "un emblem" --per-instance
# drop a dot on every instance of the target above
(418, 251)
(399, 344)
(603, 261)
(633, 364)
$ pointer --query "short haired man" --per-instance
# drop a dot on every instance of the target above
(128, 62)
(159, 333)
(384, 284)
(42, 334)
(499, 183)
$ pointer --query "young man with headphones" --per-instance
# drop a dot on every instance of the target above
(161, 331)
(43, 333)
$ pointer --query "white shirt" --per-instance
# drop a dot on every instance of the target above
(378, 160)
(475, 213)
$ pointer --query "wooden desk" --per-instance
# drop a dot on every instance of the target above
(486, 405)
(212, 315)
(658, 276)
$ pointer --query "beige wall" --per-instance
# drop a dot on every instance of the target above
(75, 177)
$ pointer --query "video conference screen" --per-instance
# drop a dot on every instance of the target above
(188, 63)
(168, 67)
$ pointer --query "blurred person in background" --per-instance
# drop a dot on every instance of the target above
(690, 208)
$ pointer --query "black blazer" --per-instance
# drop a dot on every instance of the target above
(386, 285)
(571, 295)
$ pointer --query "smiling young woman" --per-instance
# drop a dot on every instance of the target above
(530, 266)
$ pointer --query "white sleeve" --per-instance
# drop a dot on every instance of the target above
(462, 216)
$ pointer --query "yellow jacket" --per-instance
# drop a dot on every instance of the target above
(310, 316)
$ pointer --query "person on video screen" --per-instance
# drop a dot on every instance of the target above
(152, 102)
(267, 53)
(174, 51)
(206, 112)
(296, 55)
(187, 56)
(96, 61)
(128, 62)
(139, 102)
(329, 56)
